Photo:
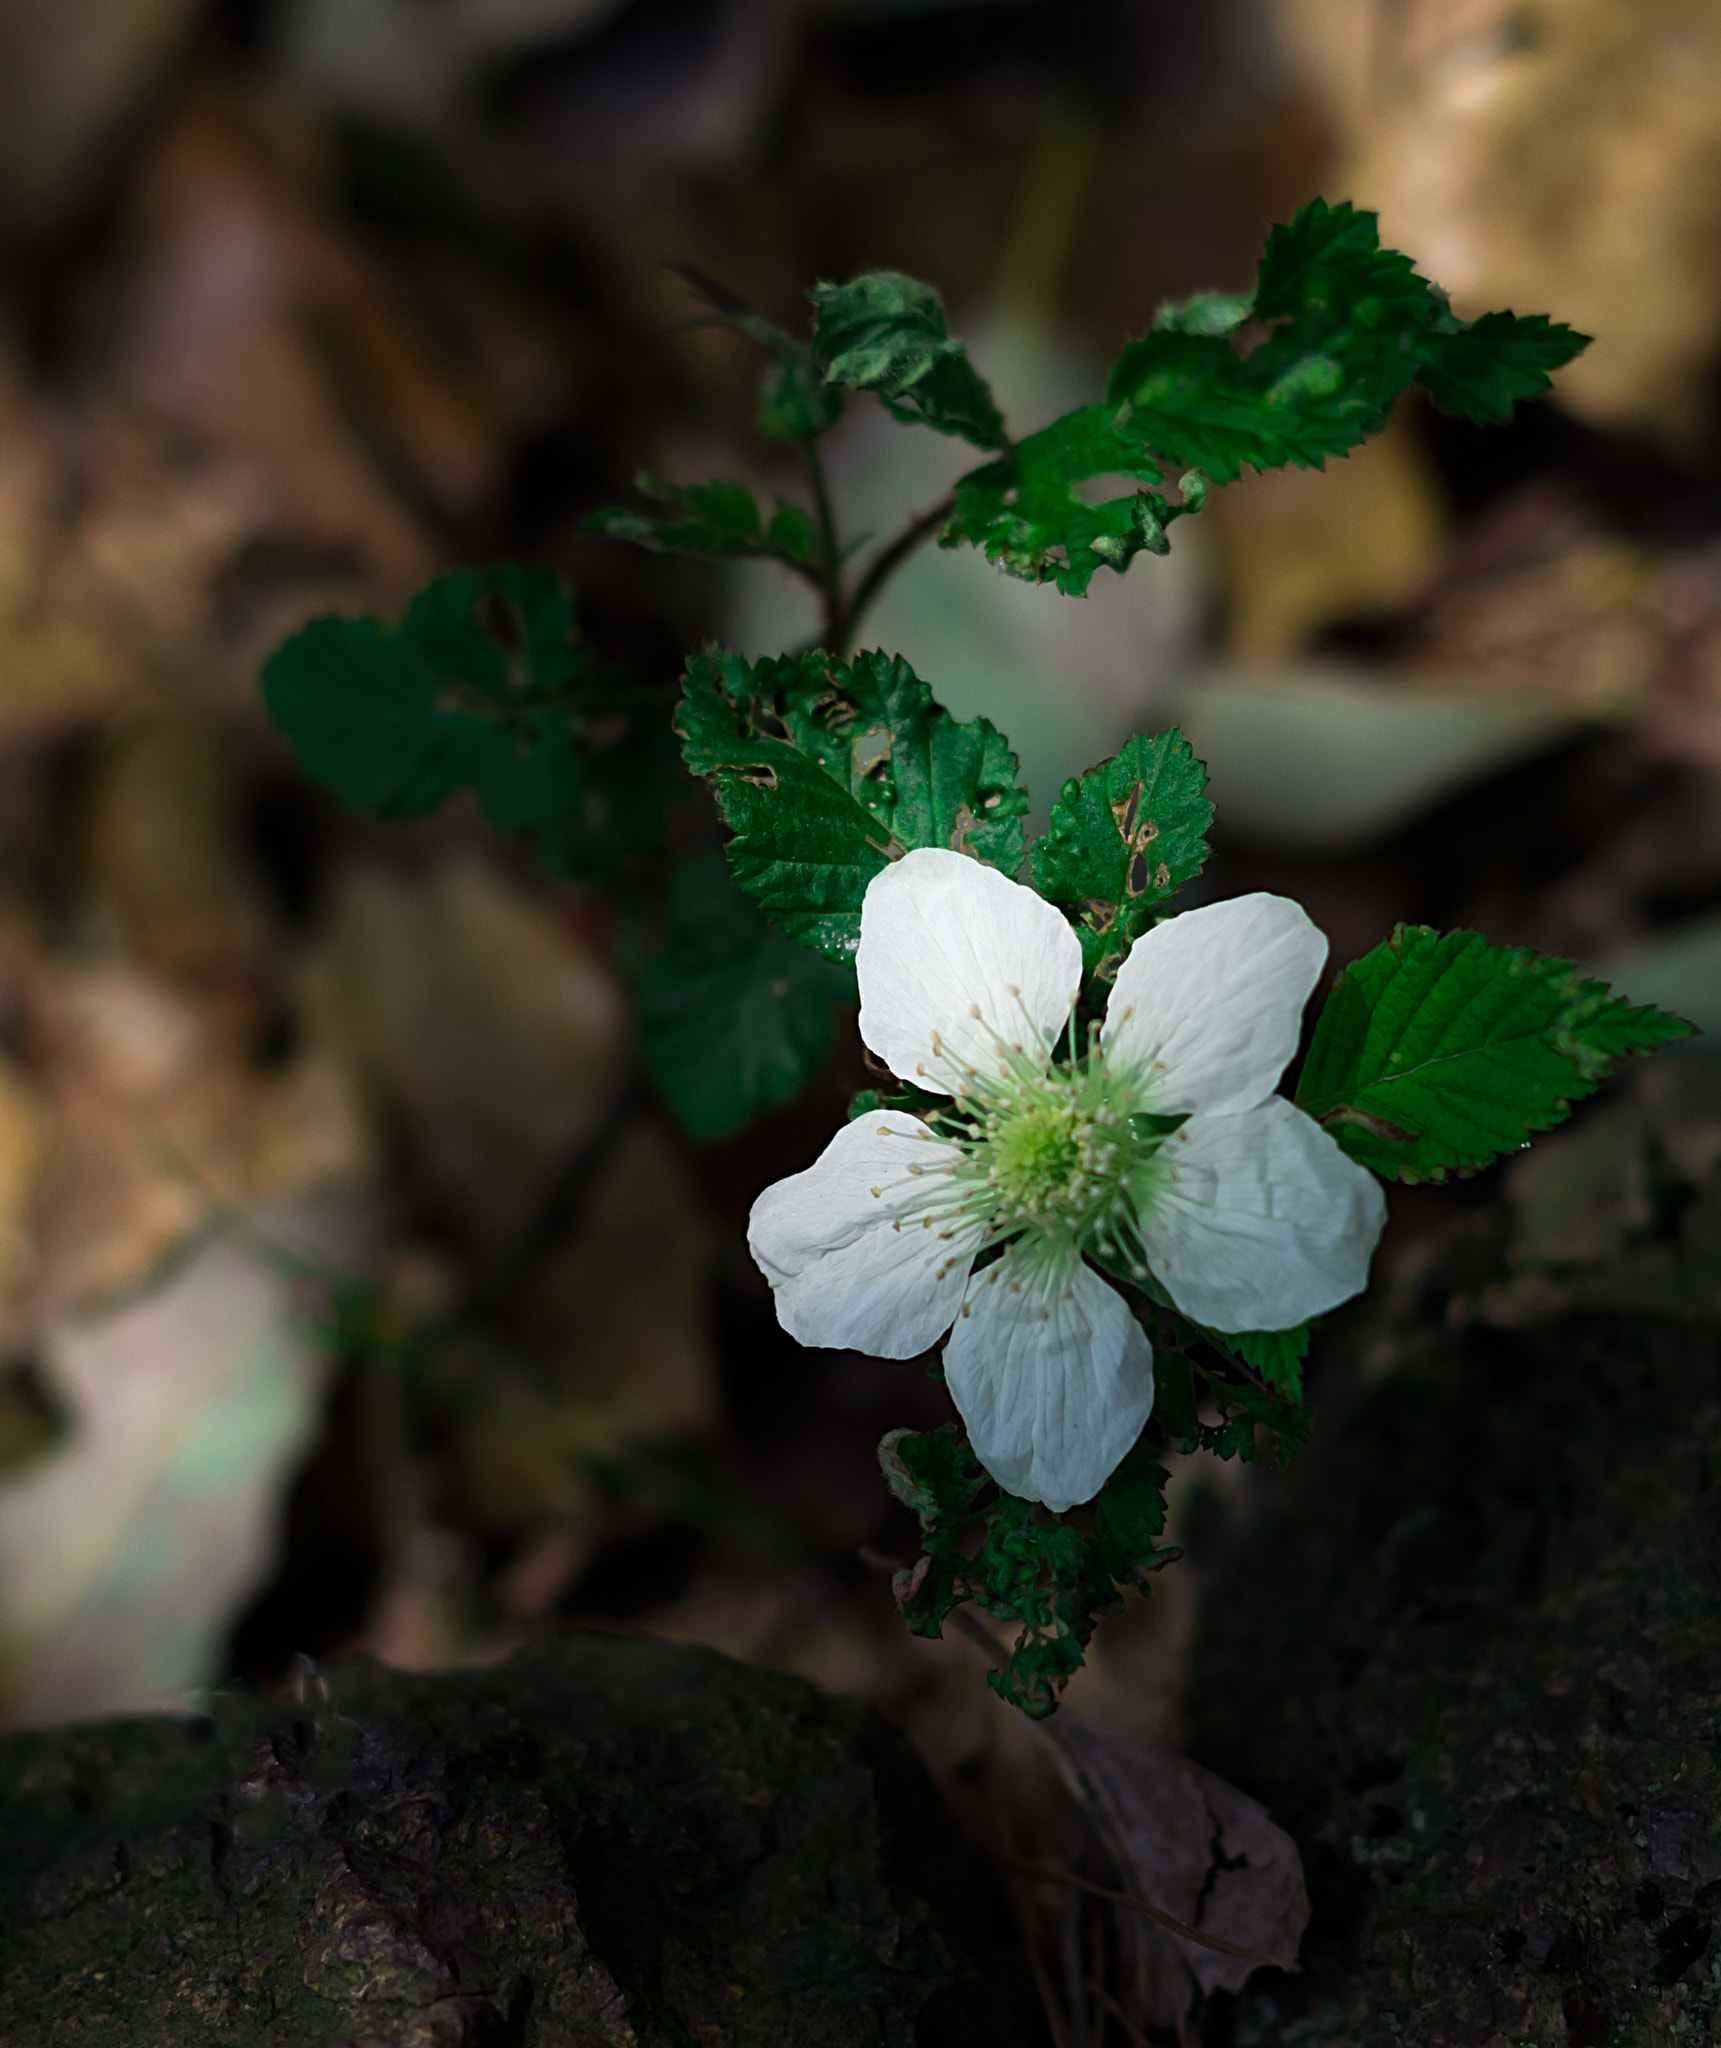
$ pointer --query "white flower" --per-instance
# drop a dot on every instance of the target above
(1246, 1212)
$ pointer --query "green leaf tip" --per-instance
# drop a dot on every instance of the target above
(1277, 1355)
(1349, 325)
(826, 770)
(484, 685)
(1123, 839)
(734, 1017)
(885, 332)
(1437, 1052)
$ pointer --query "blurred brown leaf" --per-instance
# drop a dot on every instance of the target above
(73, 79)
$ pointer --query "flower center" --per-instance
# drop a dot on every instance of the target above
(1039, 1157)
(1054, 1151)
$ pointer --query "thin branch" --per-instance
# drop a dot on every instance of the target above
(713, 291)
(1117, 2012)
(555, 1212)
(1022, 1911)
(829, 578)
(884, 565)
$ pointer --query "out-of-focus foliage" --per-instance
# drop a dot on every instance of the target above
(482, 685)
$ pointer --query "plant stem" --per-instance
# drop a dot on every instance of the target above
(559, 1205)
(883, 566)
(830, 572)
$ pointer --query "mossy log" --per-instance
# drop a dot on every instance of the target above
(602, 1843)
(1470, 1656)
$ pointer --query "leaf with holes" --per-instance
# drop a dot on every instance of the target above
(826, 770)
(1122, 840)
(887, 333)
(734, 1018)
(1438, 1052)
(1024, 512)
(712, 519)
(483, 685)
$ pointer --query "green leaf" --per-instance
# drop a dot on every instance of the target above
(1024, 512)
(482, 685)
(1481, 370)
(1325, 268)
(826, 770)
(1438, 1052)
(734, 1018)
(1344, 317)
(1244, 1411)
(1277, 1355)
(885, 332)
(1174, 1397)
(1122, 841)
(1129, 1517)
(715, 519)
(795, 402)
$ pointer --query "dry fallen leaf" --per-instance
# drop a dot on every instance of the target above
(1186, 1842)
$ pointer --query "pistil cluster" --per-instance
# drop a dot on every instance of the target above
(1054, 1152)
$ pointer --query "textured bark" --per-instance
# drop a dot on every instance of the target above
(602, 1843)
(1471, 1658)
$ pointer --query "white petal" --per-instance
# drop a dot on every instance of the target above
(957, 950)
(1258, 1221)
(865, 1250)
(1051, 1373)
(1214, 999)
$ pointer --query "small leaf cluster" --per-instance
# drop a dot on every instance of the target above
(1302, 368)
(1055, 1577)
(1029, 1566)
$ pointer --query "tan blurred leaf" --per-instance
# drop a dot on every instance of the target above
(483, 1023)
(1199, 1850)
(497, 1038)
(126, 1554)
(1302, 548)
(1538, 595)
(164, 836)
(23, 1154)
(1561, 158)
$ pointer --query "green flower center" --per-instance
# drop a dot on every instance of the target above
(1038, 1157)
(1056, 1152)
